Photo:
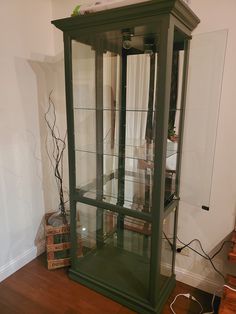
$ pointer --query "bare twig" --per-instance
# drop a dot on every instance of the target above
(58, 148)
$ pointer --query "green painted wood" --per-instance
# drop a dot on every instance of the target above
(71, 143)
(99, 140)
(162, 107)
(117, 17)
(99, 118)
(183, 107)
(182, 117)
(116, 208)
(159, 17)
(138, 305)
(121, 158)
(122, 130)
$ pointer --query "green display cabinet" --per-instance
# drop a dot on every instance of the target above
(126, 77)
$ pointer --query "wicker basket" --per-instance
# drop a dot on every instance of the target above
(57, 244)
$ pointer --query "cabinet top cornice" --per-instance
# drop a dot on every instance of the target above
(115, 18)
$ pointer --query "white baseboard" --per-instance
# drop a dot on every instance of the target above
(193, 279)
(183, 275)
(13, 265)
(197, 281)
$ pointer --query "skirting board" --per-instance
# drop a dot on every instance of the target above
(193, 279)
(198, 281)
(13, 265)
(183, 275)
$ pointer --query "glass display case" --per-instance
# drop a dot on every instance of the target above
(125, 75)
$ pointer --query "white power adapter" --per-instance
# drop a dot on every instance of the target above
(188, 296)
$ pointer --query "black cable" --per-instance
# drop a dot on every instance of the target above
(188, 245)
(206, 256)
(217, 270)
(168, 240)
(222, 245)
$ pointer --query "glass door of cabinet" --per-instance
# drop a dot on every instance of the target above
(114, 109)
(175, 120)
(114, 250)
(115, 82)
(114, 87)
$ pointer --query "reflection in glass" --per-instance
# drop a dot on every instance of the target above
(114, 128)
(174, 121)
(114, 124)
(114, 121)
(207, 59)
(167, 250)
(114, 249)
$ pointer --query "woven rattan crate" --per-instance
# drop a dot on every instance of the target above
(57, 244)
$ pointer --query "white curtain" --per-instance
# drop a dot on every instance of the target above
(138, 78)
(137, 98)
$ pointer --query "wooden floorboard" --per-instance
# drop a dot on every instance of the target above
(232, 254)
(228, 301)
(35, 290)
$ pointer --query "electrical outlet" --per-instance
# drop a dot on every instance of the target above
(185, 251)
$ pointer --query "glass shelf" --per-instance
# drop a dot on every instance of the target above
(134, 193)
(137, 193)
(87, 231)
(143, 152)
(119, 109)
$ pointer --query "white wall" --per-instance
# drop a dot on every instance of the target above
(62, 9)
(25, 33)
(30, 36)
(214, 226)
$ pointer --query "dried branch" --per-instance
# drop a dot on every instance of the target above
(58, 148)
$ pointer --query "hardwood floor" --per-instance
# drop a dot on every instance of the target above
(228, 301)
(35, 290)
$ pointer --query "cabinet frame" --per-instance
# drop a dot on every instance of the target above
(168, 16)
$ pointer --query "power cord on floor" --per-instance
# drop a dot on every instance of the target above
(212, 303)
(229, 287)
(189, 296)
(205, 256)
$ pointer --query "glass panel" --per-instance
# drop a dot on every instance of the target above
(136, 183)
(167, 247)
(171, 167)
(174, 116)
(207, 55)
(135, 146)
(114, 87)
(114, 249)
(83, 66)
